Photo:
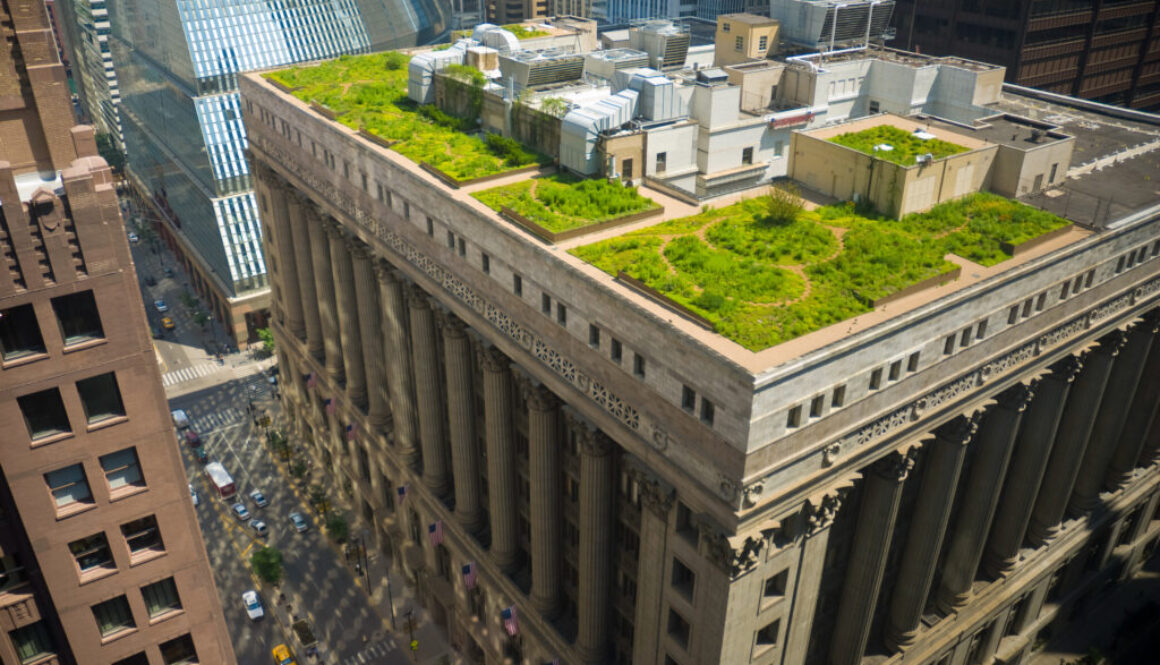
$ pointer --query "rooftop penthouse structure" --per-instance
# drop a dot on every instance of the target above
(671, 429)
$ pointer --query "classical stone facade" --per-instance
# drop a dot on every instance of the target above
(816, 508)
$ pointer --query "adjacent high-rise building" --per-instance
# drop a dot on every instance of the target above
(85, 25)
(1102, 50)
(101, 557)
(613, 443)
(177, 65)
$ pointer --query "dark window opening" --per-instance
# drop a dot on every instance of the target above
(44, 413)
(92, 553)
(775, 586)
(178, 651)
(876, 379)
(678, 629)
(794, 417)
(816, 405)
(546, 304)
(113, 616)
(78, 317)
(593, 336)
(688, 398)
(617, 352)
(561, 314)
(839, 397)
(708, 411)
(767, 637)
(143, 535)
(19, 333)
(101, 398)
(638, 365)
(683, 579)
(517, 285)
(161, 597)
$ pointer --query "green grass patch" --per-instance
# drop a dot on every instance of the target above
(561, 203)
(370, 91)
(906, 145)
(524, 32)
(729, 264)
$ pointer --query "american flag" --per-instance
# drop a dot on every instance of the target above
(402, 492)
(351, 431)
(331, 406)
(435, 532)
(311, 380)
(469, 576)
(511, 622)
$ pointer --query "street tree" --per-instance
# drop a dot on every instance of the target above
(267, 338)
(337, 528)
(267, 564)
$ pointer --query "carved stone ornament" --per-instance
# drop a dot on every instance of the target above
(1067, 369)
(896, 466)
(717, 547)
(746, 554)
(539, 398)
(655, 494)
(596, 444)
(752, 494)
(821, 509)
(333, 229)
(727, 488)
(451, 325)
(830, 453)
(417, 298)
(1018, 396)
(386, 272)
(1112, 342)
(491, 359)
(961, 429)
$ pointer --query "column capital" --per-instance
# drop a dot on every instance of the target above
(1149, 323)
(417, 298)
(357, 248)
(821, 509)
(1067, 370)
(1017, 397)
(386, 272)
(655, 493)
(539, 398)
(491, 358)
(896, 466)
(594, 443)
(1111, 343)
(451, 325)
(961, 429)
(298, 197)
(333, 229)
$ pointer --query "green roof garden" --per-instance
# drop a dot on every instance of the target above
(904, 146)
(761, 283)
(369, 92)
(562, 203)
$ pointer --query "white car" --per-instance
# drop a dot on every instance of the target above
(133, 237)
(161, 306)
(259, 528)
(253, 605)
(259, 499)
(193, 495)
(241, 512)
(299, 522)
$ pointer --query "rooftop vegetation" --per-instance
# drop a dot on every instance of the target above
(525, 32)
(905, 146)
(762, 282)
(370, 92)
(561, 203)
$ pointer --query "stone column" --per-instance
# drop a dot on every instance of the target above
(876, 516)
(501, 458)
(1122, 382)
(596, 522)
(1028, 464)
(341, 248)
(657, 502)
(327, 302)
(371, 334)
(985, 480)
(544, 498)
(942, 464)
(461, 421)
(1071, 439)
(299, 208)
(817, 517)
(428, 393)
(1141, 415)
(290, 296)
(396, 354)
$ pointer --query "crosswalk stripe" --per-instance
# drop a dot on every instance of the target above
(187, 373)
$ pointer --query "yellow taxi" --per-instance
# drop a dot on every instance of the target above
(282, 655)
(167, 323)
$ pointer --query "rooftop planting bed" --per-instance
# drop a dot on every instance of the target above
(525, 32)
(905, 145)
(561, 203)
(762, 283)
(370, 92)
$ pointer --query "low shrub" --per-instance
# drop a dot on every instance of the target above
(559, 202)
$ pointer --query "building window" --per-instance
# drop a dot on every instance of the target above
(683, 579)
(1120, 265)
(816, 405)
(462, 248)
(406, 210)
(518, 285)
(1063, 290)
(746, 156)
(561, 314)
(875, 107)
(965, 338)
(688, 398)
(1013, 315)
(346, 169)
(617, 350)
(364, 182)
(1078, 284)
(794, 417)
(430, 227)
(20, 333)
(638, 365)
(593, 336)
(724, 27)
(708, 412)
(485, 262)
(912, 362)
(12, 574)
(113, 616)
(981, 329)
(143, 536)
(78, 318)
(92, 553)
(949, 345)
(1040, 302)
(32, 642)
(69, 486)
(379, 191)
(101, 398)
(767, 637)
(179, 651)
(839, 397)
(1027, 308)
(774, 587)
(895, 370)
(546, 304)
(161, 598)
(876, 379)
(662, 161)
(450, 240)
(1087, 282)
(44, 414)
(138, 658)
(678, 629)
(762, 42)
(738, 43)
(685, 527)
(122, 469)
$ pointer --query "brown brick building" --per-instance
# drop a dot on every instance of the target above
(1106, 50)
(101, 559)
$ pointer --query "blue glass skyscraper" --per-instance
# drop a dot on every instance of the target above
(177, 61)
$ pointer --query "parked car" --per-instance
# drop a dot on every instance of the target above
(259, 499)
(167, 323)
(259, 528)
(133, 237)
(253, 605)
(282, 655)
(180, 419)
(161, 306)
(193, 495)
(299, 522)
(241, 512)
(192, 438)
(200, 455)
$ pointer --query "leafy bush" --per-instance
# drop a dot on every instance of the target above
(267, 564)
(337, 528)
(466, 74)
(785, 203)
(524, 32)
(906, 146)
